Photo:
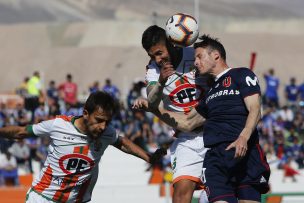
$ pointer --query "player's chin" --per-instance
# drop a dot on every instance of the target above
(202, 70)
(95, 135)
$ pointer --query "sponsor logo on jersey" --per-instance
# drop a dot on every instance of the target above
(227, 82)
(222, 93)
(263, 180)
(75, 164)
(251, 81)
(186, 95)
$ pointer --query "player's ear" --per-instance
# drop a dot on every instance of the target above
(85, 114)
(216, 55)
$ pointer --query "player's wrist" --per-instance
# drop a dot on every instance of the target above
(161, 82)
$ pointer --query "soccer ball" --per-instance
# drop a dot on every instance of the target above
(182, 29)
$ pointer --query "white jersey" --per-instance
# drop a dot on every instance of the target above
(181, 93)
(70, 171)
(184, 89)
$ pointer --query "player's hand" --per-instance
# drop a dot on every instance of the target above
(240, 146)
(141, 104)
(157, 155)
(166, 71)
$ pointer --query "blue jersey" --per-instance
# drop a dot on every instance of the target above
(292, 92)
(301, 91)
(272, 85)
(224, 106)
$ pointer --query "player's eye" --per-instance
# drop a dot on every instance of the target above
(100, 120)
(159, 53)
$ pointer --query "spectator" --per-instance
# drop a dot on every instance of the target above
(54, 110)
(161, 131)
(137, 131)
(301, 93)
(289, 171)
(71, 111)
(94, 87)
(291, 92)
(68, 91)
(3, 116)
(22, 154)
(35, 95)
(8, 166)
(111, 89)
(21, 115)
(272, 86)
(52, 92)
(40, 113)
(135, 93)
(42, 150)
(22, 89)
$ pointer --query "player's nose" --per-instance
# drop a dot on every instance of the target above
(101, 128)
(159, 60)
(196, 62)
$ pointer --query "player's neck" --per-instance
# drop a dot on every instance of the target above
(79, 124)
(220, 70)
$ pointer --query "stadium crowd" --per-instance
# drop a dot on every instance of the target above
(281, 127)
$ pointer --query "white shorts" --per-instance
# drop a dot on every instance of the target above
(34, 197)
(187, 156)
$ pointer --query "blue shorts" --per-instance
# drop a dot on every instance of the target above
(229, 179)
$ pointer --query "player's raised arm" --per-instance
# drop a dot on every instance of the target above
(179, 121)
(155, 89)
(15, 132)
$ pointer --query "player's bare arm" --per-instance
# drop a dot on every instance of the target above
(125, 145)
(14, 132)
(179, 121)
(154, 91)
(253, 105)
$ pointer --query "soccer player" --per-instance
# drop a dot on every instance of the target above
(235, 168)
(171, 79)
(77, 144)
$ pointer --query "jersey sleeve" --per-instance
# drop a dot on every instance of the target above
(42, 128)
(248, 82)
(201, 108)
(152, 74)
(110, 135)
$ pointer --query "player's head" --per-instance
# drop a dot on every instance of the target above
(209, 52)
(97, 113)
(155, 42)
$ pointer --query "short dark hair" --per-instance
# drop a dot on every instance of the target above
(212, 44)
(152, 36)
(69, 76)
(100, 99)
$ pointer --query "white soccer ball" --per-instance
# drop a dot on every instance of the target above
(182, 29)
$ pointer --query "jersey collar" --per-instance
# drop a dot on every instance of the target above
(221, 74)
